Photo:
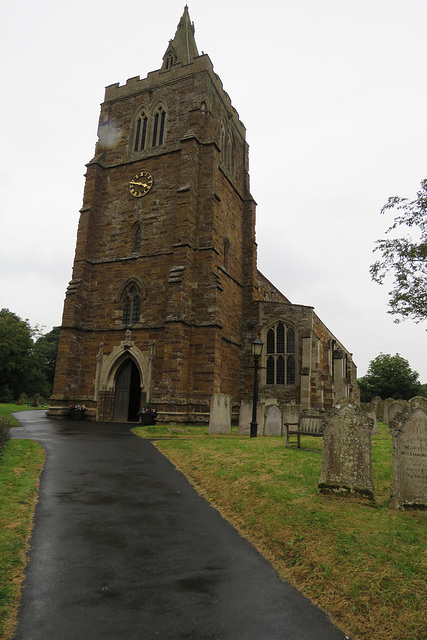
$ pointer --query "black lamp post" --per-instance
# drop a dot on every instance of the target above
(257, 346)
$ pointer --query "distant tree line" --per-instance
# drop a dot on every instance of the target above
(27, 358)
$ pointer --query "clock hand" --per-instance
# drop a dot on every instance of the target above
(140, 184)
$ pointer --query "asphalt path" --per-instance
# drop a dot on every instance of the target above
(123, 547)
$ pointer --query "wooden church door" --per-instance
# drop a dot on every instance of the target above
(128, 392)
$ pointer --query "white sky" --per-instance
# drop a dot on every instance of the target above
(334, 99)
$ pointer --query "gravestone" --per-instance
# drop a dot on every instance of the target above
(395, 407)
(367, 408)
(35, 400)
(273, 421)
(386, 405)
(220, 414)
(380, 411)
(346, 457)
(409, 432)
(245, 418)
(419, 401)
(291, 413)
(375, 405)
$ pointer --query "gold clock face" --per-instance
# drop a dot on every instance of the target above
(140, 184)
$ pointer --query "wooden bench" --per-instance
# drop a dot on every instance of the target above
(306, 426)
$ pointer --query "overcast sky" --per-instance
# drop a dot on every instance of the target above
(334, 100)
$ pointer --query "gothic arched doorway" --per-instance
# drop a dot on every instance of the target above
(127, 396)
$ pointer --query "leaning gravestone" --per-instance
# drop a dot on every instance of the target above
(273, 421)
(220, 414)
(346, 458)
(409, 431)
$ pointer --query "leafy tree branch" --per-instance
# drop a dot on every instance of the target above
(405, 258)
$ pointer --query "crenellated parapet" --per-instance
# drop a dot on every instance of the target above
(177, 72)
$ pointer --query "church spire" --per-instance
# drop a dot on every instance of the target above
(183, 48)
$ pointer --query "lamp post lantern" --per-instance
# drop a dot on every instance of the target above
(256, 346)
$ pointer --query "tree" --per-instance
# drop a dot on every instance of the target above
(45, 352)
(423, 390)
(25, 366)
(405, 257)
(389, 377)
(15, 354)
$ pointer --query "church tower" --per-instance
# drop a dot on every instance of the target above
(165, 297)
(165, 260)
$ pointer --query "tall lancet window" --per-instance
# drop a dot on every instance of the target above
(131, 306)
(138, 237)
(159, 121)
(141, 132)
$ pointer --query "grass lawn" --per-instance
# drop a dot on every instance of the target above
(360, 562)
(21, 463)
(363, 563)
(6, 411)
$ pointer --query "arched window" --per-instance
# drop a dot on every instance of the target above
(159, 120)
(141, 132)
(149, 128)
(280, 350)
(138, 237)
(131, 305)
(169, 61)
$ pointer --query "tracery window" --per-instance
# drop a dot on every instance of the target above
(131, 305)
(149, 128)
(280, 358)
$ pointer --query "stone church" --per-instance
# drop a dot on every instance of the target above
(165, 297)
